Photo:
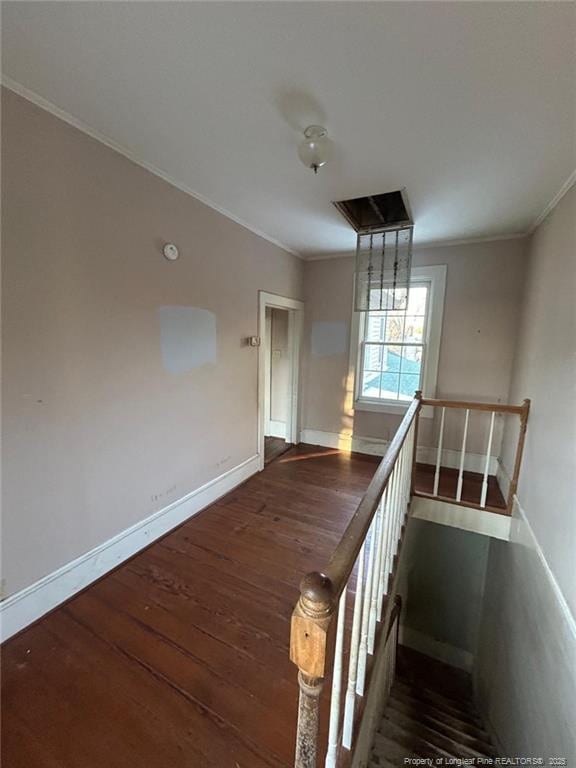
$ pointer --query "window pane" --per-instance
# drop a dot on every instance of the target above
(394, 328)
(414, 329)
(411, 361)
(409, 383)
(392, 356)
(417, 300)
(371, 384)
(373, 357)
(375, 324)
(389, 386)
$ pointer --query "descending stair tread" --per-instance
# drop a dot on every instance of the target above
(433, 735)
(389, 749)
(429, 714)
(379, 761)
(412, 741)
(458, 724)
(475, 738)
(451, 701)
(428, 697)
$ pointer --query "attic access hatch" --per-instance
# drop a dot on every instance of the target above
(384, 227)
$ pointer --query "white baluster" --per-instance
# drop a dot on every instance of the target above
(439, 453)
(392, 530)
(363, 650)
(397, 504)
(383, 579)
(336, 686)
(376, 577)
(413, 456)
(487, 465)
(408, 467)
(353, 661)
(462, 455)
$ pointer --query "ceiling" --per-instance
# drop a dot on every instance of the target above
(469, 106)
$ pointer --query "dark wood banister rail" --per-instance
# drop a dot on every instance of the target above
(342, 561)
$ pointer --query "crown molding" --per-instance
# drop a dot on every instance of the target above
(568, 184)
(48, 106)
(66, 117)
(469, 240)
(426, 245)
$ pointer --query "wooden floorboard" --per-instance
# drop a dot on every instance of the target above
(180, 657)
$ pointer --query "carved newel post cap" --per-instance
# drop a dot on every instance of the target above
(316, 593)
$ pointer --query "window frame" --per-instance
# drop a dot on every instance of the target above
(435, 278)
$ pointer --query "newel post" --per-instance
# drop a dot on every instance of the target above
(417, 396)
(519, 452)
(310, 622)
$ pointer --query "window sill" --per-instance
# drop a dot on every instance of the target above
(389, 406)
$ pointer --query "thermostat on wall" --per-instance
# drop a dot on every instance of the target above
(170, 251)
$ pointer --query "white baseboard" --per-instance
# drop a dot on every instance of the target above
(276, 429)
(474, 462)
(28, 605)
(449, 654)
(344, 442)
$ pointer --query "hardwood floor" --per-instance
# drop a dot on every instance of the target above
(179, 658)
(471, 486)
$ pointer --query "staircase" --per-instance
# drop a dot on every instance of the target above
(430, 714)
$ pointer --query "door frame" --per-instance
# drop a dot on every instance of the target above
(295, 310)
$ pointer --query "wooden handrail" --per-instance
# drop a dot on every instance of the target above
(373, 539)
(320, 592)
(342, 561)
(495, 407)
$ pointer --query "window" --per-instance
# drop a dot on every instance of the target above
(397, 352)
(393, 349)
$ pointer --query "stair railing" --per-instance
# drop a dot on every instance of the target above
(459, 459)
(363, 564)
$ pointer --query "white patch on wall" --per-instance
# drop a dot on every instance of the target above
(187, 338)
(329, 338)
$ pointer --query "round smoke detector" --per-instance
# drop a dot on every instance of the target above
(170, 251)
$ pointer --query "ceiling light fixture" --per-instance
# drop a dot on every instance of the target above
(314, 149)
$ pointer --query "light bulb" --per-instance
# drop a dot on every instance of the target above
(314, 149)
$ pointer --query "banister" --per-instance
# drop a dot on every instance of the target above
(373, 540)
(320, 592)
(342, 561)
(495, 407)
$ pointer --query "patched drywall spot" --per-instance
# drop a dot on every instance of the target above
(187, 338)
(329, 338)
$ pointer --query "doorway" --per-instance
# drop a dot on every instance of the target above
(280, 336)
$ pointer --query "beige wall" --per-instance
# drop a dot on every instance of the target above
(545, 371)
(482, 305)
(441, 614)
(526, 674)
(97, 433)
